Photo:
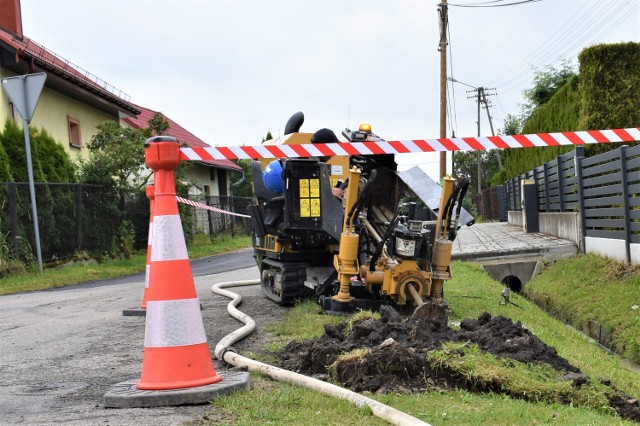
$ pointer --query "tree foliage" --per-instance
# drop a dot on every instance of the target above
(512, 125)
(546, 83)
(465, 163)
(116, 157)
(241, 184)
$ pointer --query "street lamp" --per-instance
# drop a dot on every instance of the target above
(453, 80)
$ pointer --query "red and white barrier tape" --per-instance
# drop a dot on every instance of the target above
(204, 206)
(410, 146)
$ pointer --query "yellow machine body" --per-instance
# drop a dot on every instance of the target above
(373, 247)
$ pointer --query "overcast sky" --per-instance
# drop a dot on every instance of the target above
(229, 71)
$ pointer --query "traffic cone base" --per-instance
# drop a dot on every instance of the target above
(196, 362)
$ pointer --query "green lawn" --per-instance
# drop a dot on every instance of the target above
(470, 293)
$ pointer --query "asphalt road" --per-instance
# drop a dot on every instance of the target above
(61, 350)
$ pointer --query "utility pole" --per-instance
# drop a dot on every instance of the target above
(486, 107)
(481, 97)
(443, 11)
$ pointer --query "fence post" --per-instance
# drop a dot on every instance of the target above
(546, 186)
(518, 188)
(223, 216)
(502, 201)
(560, 186)
(210, 217)
(583, 225)
(232, 218)
(13, 219)
(79, 224)
(625, 201)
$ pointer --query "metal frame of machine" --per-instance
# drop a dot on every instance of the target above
(381, 245)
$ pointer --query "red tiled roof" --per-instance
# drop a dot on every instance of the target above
(178, 132)
(27, 48)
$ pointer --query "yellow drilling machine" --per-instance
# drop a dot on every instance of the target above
(388, 241)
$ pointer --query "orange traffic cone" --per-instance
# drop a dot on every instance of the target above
(150, 195)
(176, 353)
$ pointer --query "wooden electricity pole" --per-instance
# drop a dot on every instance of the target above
(443, 81)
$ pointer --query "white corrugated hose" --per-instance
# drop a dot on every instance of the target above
(224, 352)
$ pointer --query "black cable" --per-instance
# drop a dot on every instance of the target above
(360, 200)
(453, 231)
(385, 237)
(449, 211)
(448, 205)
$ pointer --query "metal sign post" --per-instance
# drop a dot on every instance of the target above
(24, 92)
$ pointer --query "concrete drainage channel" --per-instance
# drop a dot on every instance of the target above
(514, 274)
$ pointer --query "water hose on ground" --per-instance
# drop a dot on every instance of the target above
(224, 352)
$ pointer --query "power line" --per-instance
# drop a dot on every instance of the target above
(541, 51)
(599, 15)
(485, 4)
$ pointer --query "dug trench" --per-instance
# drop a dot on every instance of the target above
(398, 355)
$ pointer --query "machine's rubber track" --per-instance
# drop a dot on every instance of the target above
(292, 280)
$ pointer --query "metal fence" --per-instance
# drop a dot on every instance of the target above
(75, 217)
(610, 202)
(604, 189)
(71, 218)
(492, 204)
(209, 222)
(557, 184)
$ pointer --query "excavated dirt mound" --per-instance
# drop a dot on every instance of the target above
(397, 360)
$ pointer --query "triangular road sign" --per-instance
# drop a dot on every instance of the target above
(24, 92)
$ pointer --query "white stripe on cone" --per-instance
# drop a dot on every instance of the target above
(146, 276)
(150, 240)
(149, 245)
(174, 323)
(169, 241)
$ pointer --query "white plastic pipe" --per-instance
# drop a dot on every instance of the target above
(223, 352)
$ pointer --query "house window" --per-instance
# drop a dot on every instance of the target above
(12, 111)
(74, 132)
(212, 173)
(207, 190)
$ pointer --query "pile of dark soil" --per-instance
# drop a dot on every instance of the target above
(397, 360)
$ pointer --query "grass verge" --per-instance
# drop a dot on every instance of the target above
(594, 292)
(200, 246)
(470, 293)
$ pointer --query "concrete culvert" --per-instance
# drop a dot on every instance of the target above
(513, 283)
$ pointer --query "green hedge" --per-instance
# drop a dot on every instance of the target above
(610, 85)
(49, 160)
(603, 96)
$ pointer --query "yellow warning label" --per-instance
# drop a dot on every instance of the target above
(314, 188)
(315, 207)
(304, 188)
(305, 208)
